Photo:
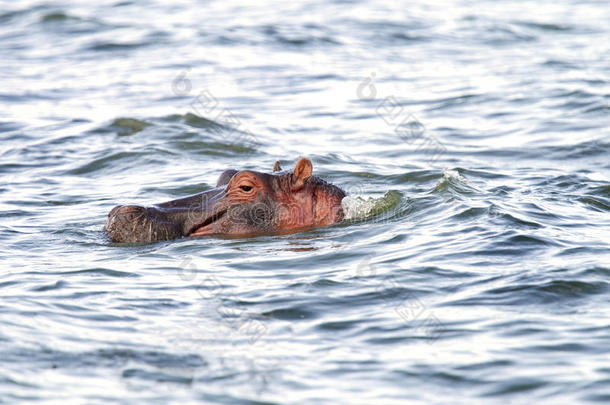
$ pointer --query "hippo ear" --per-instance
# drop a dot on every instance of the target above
(302, 171)
(225, 177)
(276, 166)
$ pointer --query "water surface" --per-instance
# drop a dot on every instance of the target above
(472, 138)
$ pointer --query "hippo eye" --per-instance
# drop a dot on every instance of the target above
(246, 188)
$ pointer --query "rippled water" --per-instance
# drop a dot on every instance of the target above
(472, 139)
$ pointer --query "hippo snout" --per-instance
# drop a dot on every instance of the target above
(134, 223)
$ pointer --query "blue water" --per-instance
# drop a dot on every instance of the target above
(473, 139)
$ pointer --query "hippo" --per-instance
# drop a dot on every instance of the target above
(244, 203)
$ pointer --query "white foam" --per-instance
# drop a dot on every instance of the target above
(356, 207)
(449, 174)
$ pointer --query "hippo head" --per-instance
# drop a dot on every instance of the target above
(244, 203)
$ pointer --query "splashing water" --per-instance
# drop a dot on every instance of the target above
(360, 208)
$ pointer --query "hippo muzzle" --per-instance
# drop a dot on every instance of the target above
(169, 220)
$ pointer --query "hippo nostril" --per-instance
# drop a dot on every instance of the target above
(125, 210)
(131, 209)
(114, 211)
(124, 215)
